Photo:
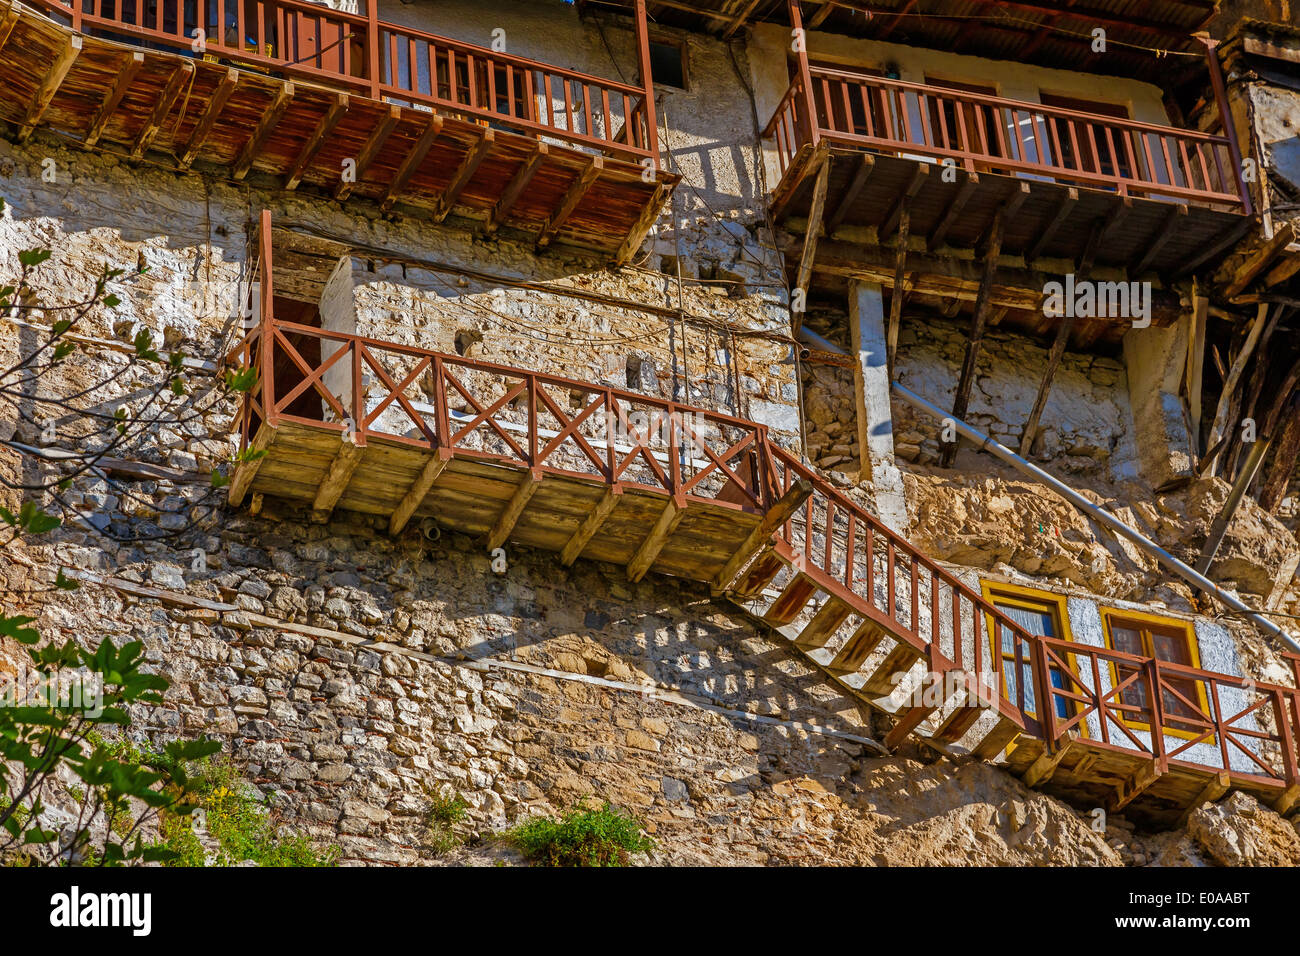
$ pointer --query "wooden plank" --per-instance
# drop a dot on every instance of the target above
(964, 192)
(374, 143)
(247, 470)
(8, 22)
(790, 604)
(518, 183)
(514, 510)
(338, 109)
(464, 173)
(1043, 769)
(866, 166)
(1135, 786)
(757, 576)
(572, 199)
(654, 542)
(336, 480)
(1288, 800)
(898, 291)
(1219, 785)
(882, 681)
(997, 740)
(911, 718)
(416, 494)
(126, 74)
(1283, 271)
(1054, 357)
(170, 94)
(411, 162)
(1168, 228)
(203, 128)
(591, 525)
(50, 84)
(857, 648)
(265, 126)
(759, 538)
(919, 178)
(812, 233)
(1221, 425)
(649, 216)
(957, 724)
(828, 619)
(1260, 260)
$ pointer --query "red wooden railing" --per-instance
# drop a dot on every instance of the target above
(367, 56)
(462, 407)
(980, 132)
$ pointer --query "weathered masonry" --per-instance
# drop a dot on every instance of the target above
(631, 284)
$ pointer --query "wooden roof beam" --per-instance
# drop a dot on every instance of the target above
(591, 525)
(203, 128)
(892, 25)
(890, 222)
(338, 109)
(518, 183)
(1164, 232)
(336, 480)
(572, 199)
(411, 162)
(738, 23)
(464, 173)
(50, 84)
(513, 510)
(867, 164)
(374, 143)
(170, 94)
(126, 73)
(416, 494)
(262, 132)
(936, 238)
(654, 542)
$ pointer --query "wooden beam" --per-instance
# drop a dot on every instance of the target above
(1054, 357)
(1167, 229)
(892, 25)
(1102, 228)
(317, 139)
(170, 94)
(50, 84)
(572, 199)
(1063, 209)
(964, 192)
(216, 103)
(416, 494)
(374, 143)
(518, 183)
(654, 542)
(1260, 260)
(890, 222)
(812, 234)
(997, 740)
(1284, 270)
(899, 289)
(1196, 338)
(1219, 429)
(1218, 785)
(336, 480)
(126, 73)
(1278, 477)
(1135, 786)
(411, 162)
(818, 18)
(1020, 192)
(758, 539)
(591, 525)
(636, 235)
(246, 471)
(978, 323)
(464, 173)
(1288, 800)
(513, 510)
(1043, 769)
(8, 22)
(265, 127)
(735, 25)
(1227, 239)
(866, 165)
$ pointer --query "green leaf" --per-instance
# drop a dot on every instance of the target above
(65, 583)
(241, 380)
(15, 627)
(32, 257)
(111, 301)
(218, 479)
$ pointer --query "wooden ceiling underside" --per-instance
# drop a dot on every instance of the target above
(178, 111)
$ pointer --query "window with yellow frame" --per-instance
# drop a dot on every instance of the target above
(1038, 612)
(1168, 640)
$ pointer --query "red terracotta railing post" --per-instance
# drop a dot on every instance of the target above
(1225, 116)
(647, 81)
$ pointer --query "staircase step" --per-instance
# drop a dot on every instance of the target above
(824, 624)
(910, 719)
(957, 724)
(997, 740)
(857, 648)
(791, 603)
(881, 683)
(760, 574)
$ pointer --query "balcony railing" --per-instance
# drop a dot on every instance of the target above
(366, 56)
(980, 132)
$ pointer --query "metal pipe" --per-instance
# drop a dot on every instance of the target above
(809, 337)
(1184, 571)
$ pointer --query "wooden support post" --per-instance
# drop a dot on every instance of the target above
(758, 539)
(1135, 786)
(203, 128)
(336, 480)
(654, 542)
(978, 324)
(1219, 785)
(967, 189)
(649, 215)
(126, 74)
(1054, 357)
(170, 94)
(1044, 768)
(411, 162)
(265, 126)
(1196, 368)
(571, 201)
(242, 480)
(647, 79)
(866, 166)
(1219, 430)
(1225, 117)
(899, 293)
(812, 234)
(50, 84)
(463, 175)
(416, 494)
(591, 525)
(514, 510)
(317, 139)
(518, 183)
(374, 143)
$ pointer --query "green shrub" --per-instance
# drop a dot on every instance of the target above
(582, 837)
(444, 813)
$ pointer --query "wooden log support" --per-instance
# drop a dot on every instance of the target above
(338, 109)
(591, 525)
(416, 494)
(246, 471)
(336, 480)
(265, 126)
(170, 94)
(463, 175)
(940, 232)
(1218, 786)
(1224, 412)
(849, 658)
(1135, 786)
(1119, 211)
(1167, 229)
(572, 200)
(882, 681)
(7, 23)
(908, 721)
(759, 538)
(755, 579)
(1283, 271)
(791, 601)
(126, 74)
(997, 740)
(1063, 332)
(374, 143)
(649, 216)
(978, 325)
(411, 161)
(892, 218)
(50, 84)
(1288, 800)
(1263, 257)
(208, 121)
(654, 542)
(513, 510)
(812, 234)
(898, 291)
(518, 183)
(1044, 768)
(866, 166)
(1277, 478)
(957, 724)
(828, 619)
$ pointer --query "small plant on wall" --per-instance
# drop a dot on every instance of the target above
(582, 837)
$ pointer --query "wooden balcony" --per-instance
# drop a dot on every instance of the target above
(521, 458)
(347, 104)
(1090, 189)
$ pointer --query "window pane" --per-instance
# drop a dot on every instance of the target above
(1172, 647)
(1127, 639)
(1031, 619)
